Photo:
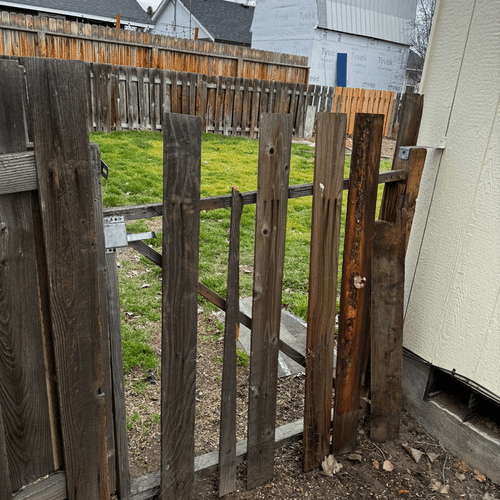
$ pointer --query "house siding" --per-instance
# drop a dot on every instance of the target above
(452, 316)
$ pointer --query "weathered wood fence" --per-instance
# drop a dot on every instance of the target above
(124, 98)
(61, 376)
(35, 36)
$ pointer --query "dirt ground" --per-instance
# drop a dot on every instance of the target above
(374, 471)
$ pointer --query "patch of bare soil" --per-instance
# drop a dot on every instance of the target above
(374, 471)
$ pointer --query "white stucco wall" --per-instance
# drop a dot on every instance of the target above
(452, 288)
(164, 24)
(291, 27)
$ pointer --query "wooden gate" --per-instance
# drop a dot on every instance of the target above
(61, 374)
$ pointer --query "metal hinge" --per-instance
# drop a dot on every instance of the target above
(404, 151)
(116, 237)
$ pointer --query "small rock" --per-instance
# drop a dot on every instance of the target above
(460, 477)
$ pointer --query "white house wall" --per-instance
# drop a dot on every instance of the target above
(284, 26)
(291, 28)
(183, 21)
(453, 263)
(371, 63)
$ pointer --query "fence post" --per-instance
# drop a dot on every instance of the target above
(181, 228)
(356, 277)
(58, 108)
(325, 234)
(275, 137)
(409, 125)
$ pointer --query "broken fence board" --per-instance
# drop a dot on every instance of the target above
(386, 330)
(355, 289)
(275, 139)
(323, 270)
(181, 226)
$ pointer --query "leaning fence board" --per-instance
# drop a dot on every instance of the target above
(411, 114)
(270, 232)
(355, 289)
(386, 330)
(23, 389)
(323, 269)
(181, 220)
(227, 442)
(65, 187)
(51, 488)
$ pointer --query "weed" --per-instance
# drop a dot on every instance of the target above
(242, 358)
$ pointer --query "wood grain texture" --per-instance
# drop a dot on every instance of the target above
(275, 138)
(181, 227)
(95, 161)
(5, 484)
(26, 434)
(356, 278)
(119, 411)
(323, 270)
(17, 172)
(412, 106)
(58, 113)
(227, 441)
(51, 488)
(386, 330)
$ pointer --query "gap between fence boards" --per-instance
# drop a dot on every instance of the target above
(249, 198)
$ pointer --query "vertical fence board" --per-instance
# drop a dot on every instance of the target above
(275, 137)
(386, 330)
(181, 220)
(325, 239)
(6, 487)
(411, 114)
(227, 445)
(58, 109)
(23, 389)
(115, 341)
(356, 269)
(95, 161)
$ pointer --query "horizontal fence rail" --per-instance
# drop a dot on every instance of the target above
(36, 36)
(126, 98)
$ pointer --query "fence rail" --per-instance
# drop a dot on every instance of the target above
(123, 98)
(36, 36)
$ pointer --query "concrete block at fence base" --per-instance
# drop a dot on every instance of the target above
(310, 119)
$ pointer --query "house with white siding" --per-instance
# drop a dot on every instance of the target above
(374, 34)
(216, 20)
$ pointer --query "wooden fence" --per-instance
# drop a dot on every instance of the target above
(135, 99)
(34, 36)
(62, 402)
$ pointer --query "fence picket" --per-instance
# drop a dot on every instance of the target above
(356, 278)
(181, 220)
(26, 431)
(58, 121)
(275, 136)
(325, 239)
(227, 442)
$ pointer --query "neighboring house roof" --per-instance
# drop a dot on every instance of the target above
(100, 10)
(225, 21)
(382, 19)
(414, 61)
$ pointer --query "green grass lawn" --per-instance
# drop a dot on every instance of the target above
(135, 160)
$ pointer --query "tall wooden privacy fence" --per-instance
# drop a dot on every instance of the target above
(34, 36)
(135, 99)
(62, 404)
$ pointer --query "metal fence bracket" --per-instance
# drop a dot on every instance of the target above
(116, 237)
(404, 151)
